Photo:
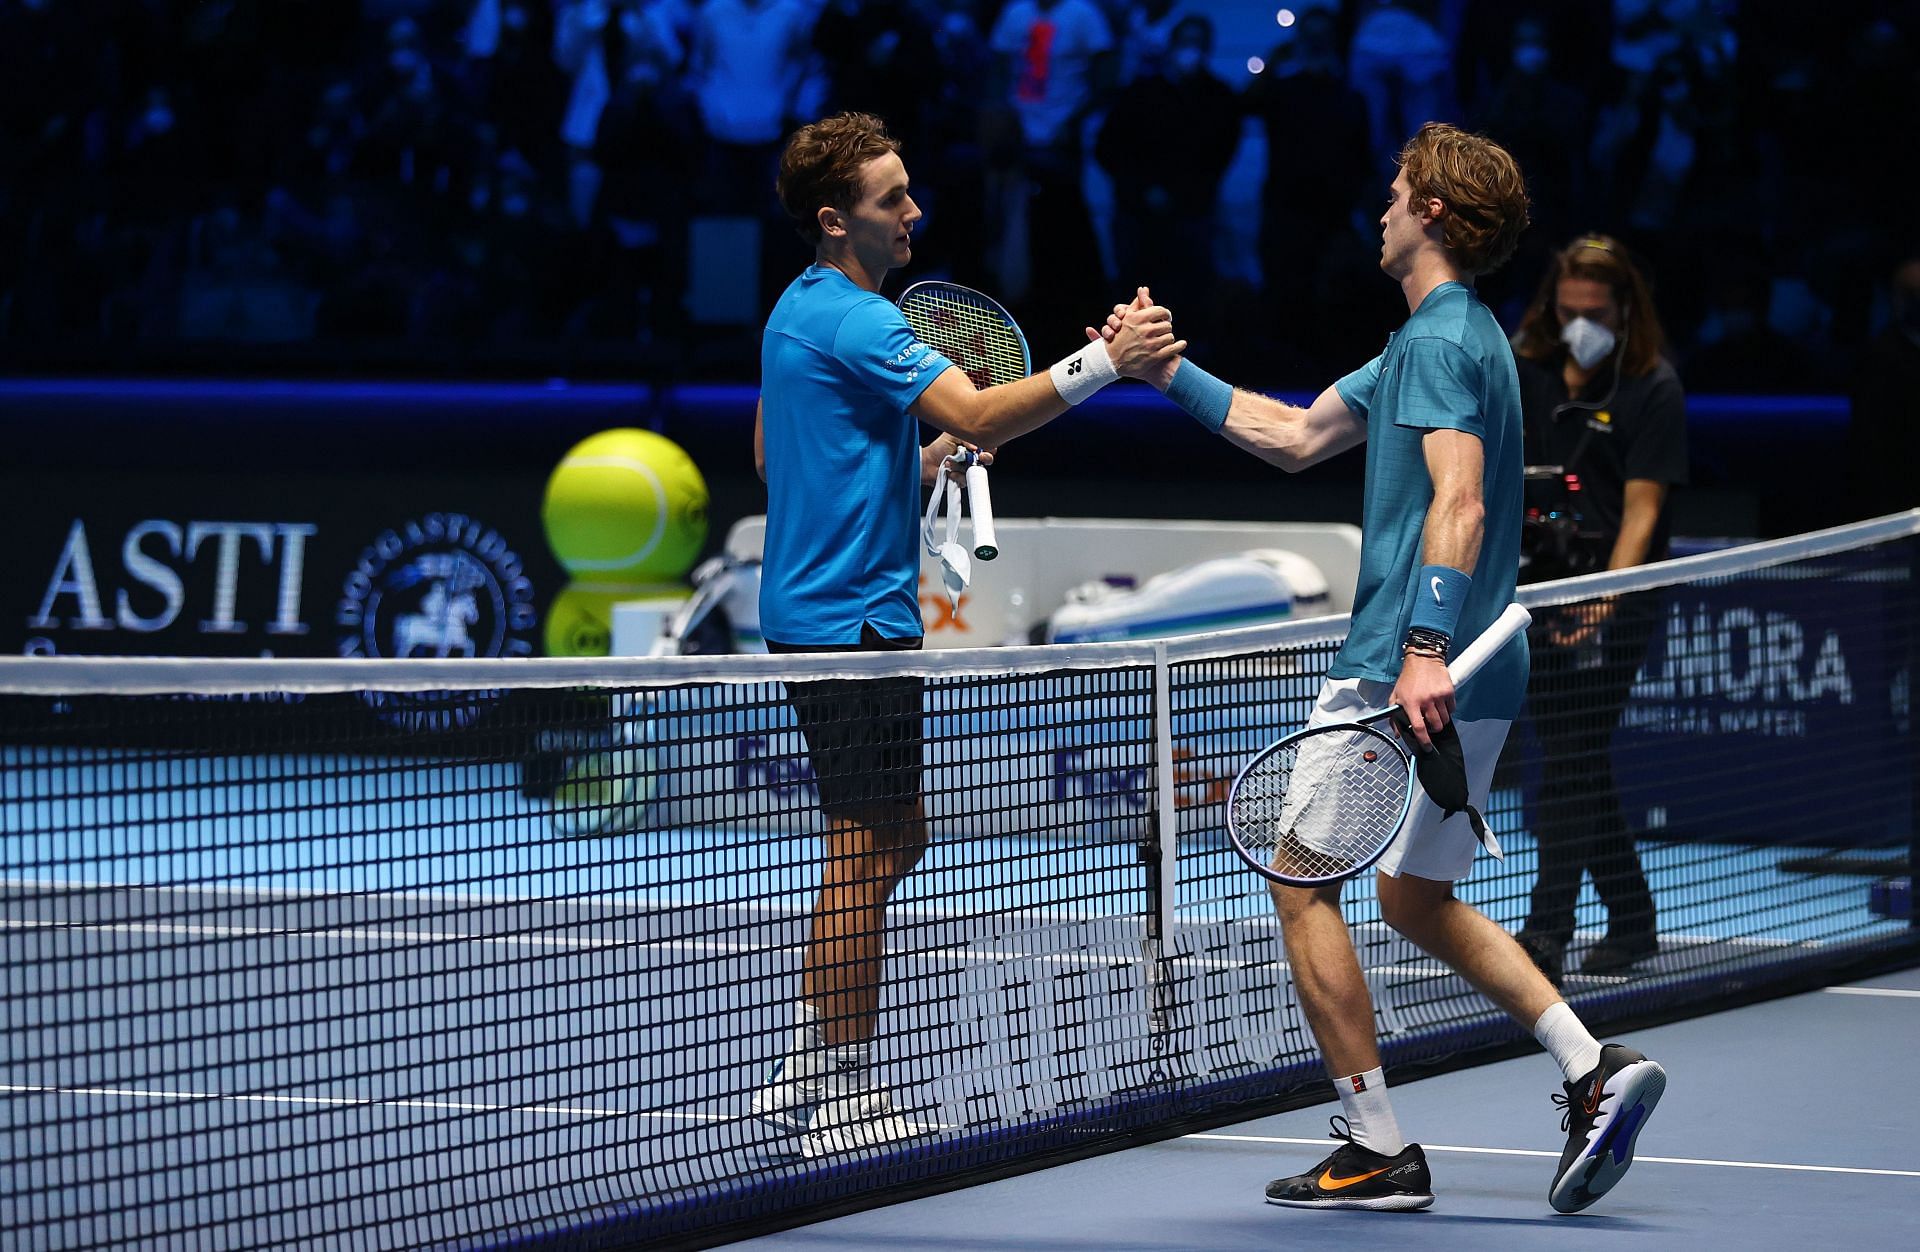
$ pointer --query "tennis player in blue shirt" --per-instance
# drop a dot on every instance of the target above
(1439, 411)
(842, 382)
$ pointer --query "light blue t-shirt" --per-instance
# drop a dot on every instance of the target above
(838, 368)
(1449, 367)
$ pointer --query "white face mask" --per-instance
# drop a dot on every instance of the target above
(1587, 340)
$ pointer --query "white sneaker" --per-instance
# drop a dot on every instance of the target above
(788, 1098)
(864, 1119)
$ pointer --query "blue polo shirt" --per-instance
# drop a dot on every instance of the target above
(1449, 368)
(838, 368)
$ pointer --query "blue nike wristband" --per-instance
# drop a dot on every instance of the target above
(1202, 395)
(1439, 597)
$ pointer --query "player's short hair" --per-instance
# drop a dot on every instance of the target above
(820, 166)
(1602, 259)
(1481, 185)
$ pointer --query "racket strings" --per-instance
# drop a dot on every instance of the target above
(974, 336)
(1324, 804)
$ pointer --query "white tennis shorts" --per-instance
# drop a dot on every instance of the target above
(1431, 845)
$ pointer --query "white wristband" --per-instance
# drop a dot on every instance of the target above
(1085, 372)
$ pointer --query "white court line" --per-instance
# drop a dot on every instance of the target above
(610, 903)
(138, 1093)
(356, 935)
(1071, 959)
(1658, 1160)
(134, 1093)
(1890, 992)
(279, 932)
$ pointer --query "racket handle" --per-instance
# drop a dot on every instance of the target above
(980, 508)
(1481, 650)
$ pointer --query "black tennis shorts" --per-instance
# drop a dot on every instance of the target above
(865, 737)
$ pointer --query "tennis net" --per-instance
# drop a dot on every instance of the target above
(495, 953)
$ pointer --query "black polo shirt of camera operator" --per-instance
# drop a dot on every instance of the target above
(1640, 432)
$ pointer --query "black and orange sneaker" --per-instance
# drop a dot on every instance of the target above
(1357, 1177)
(1605, 1112)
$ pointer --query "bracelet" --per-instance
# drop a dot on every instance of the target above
(1428, 642)
(1205, 398)
(1078, 376)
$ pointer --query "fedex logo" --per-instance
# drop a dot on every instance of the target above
(757, 767)
(1107, 788)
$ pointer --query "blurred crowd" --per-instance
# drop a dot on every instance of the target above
(474, 186)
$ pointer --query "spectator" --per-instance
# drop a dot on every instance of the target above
(746, 66)
(1543, 122)
(1740, 351)
(1054, 62)
(1318, 171)
(1403, 65)
(1167, 142)
(876, 54)
(1884, 440)
(1149, 26)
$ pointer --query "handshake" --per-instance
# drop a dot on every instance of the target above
(1139, 338)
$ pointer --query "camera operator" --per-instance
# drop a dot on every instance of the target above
(1605, 441)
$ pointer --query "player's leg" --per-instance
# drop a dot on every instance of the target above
(868, 854)
(870, 788)
(1609, 1091)
(1375, 1168)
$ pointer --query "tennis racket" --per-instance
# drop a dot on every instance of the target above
(1325, 803)
(981, 338)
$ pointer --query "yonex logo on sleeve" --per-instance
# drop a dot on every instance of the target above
(1075, 367)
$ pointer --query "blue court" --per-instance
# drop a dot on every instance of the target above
(276, 1054)
(1785, 1125)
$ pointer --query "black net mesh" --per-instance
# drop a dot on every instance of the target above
(381, 968)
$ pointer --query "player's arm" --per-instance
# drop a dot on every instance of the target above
(1278, 433)
(989, 418)
(759, 442)
(1289, 436)
(1454, 527)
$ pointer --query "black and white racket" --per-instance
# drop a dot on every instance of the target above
(1325, 803)
(981, 338)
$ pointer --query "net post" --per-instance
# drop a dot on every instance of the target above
(1162, 855)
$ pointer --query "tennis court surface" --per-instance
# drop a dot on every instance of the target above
(495, 953)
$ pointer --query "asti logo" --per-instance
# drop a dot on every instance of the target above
(1741, 654)
(155, 556)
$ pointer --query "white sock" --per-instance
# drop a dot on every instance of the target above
(1363, 1102)
(849, 1069)
(807, 1056)
(1565, 1038)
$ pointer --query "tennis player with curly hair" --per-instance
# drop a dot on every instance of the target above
(1439, 411)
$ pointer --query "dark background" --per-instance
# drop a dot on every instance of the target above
(346, 262)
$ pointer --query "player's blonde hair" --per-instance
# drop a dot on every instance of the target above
(820, 166)
(1481, 186)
